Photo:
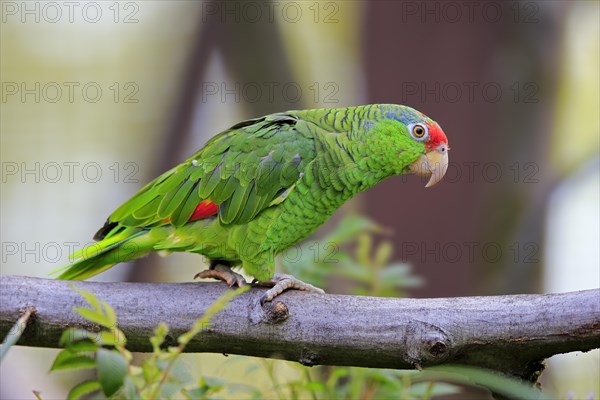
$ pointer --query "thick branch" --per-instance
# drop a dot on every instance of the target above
(512, 334)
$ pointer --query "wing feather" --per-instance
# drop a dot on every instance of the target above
(179, 198)
(147, 210)
(243, 170)
(234, 205)
(209, 183)
(184, 211)
(227, 188)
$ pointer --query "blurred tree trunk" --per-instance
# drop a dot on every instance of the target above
(449, 69)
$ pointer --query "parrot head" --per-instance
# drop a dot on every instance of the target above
(409, 142)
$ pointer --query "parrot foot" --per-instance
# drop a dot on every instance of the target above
(280, 282)
(223, 273)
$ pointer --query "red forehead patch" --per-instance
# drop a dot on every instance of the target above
(436, 136)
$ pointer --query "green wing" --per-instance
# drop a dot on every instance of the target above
(243, 170)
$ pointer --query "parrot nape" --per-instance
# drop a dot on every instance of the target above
(262, 186)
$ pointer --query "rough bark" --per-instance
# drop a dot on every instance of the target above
(511, 334)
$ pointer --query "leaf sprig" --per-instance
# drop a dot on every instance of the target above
(103, 349)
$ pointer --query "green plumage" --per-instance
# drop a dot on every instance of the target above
(275, 180)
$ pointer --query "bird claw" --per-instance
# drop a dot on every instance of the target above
(222, 273)
(281, 282)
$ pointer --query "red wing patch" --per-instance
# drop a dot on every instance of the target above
(204, 210)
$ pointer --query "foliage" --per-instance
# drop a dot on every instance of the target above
(349, 253)
(160, 376)
(497, 383)
(346, 383)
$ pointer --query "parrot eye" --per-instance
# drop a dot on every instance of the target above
(418, 131)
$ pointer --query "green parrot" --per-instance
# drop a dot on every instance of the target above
(262, 186)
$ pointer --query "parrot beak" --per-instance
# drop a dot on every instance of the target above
(434, 163)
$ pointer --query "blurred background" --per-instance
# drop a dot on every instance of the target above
(98, 98)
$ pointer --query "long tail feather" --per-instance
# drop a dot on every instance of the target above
(98, 257)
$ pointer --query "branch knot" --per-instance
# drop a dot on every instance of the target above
(425, 344)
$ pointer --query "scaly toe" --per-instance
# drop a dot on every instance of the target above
(281, 282)
(224, 274)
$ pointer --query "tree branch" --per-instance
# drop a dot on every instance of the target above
(511, 334)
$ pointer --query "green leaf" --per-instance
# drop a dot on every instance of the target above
(383, 253)
(213, 381)
(314, 386)
(338, 373)
(93, 316)
(395, 272)
(129, 390)
(101, 312)
(180, 372)
(494, 381)
(111, 316)
(111, 338)
(162, 364)
(83, 346)
(196, 393)
(169, 389)
(89, 297)
(213, 309)
(160, 332)
(82, 389)
(426, 390)
(350, 227)
(66, 359)
(112, 370)
(150, 370)
(354, 271)
(363, 249)
(72, 335)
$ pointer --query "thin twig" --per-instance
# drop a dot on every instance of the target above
(16, 331)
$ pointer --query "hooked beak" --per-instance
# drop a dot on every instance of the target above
(434, 163)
